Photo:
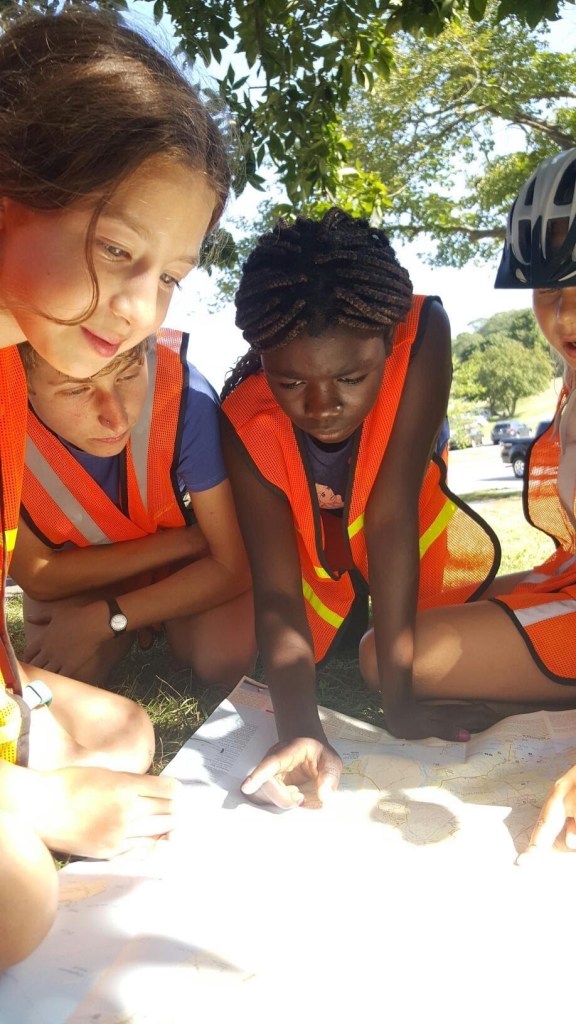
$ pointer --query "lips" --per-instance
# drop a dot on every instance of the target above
(107, 349)
(117, 439)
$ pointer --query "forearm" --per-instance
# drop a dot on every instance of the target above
(394, 577)
(196, 588)
(59, 574)
(286, 650)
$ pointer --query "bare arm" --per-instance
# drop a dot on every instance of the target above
(217, 577)
(282, 631)
(221, 574)
(392, 510)
(47, 574)
(393, 551)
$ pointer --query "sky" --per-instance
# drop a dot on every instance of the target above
(467, 294)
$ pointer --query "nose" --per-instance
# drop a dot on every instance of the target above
(111, 412)
(136, 301)
(323, 401)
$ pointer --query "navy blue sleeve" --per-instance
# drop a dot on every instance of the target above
(200, 465)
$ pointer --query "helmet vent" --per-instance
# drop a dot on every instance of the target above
(565, 190)
(525, 239)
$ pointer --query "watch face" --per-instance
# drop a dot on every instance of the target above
(118, 622)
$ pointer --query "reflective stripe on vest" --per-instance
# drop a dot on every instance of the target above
(540, 612)
(10, 538)
(542, 577)
(61, 496)
(321, 609)
(437, 527)
(140, 434)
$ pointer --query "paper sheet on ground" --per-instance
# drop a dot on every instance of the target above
(399, 900)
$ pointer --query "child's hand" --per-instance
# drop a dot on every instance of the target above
(414, 721)
(95, 812)
(286, 766)
(71, 636)
(556, 825)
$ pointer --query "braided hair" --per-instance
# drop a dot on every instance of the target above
(315, 275)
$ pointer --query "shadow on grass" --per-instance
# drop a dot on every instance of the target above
(494, 495)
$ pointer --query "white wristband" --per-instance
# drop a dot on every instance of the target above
(37, 694)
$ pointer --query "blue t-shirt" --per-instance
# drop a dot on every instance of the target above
(200, 463)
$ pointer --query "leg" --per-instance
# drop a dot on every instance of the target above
(472, 652)
(85, 725)
(28, 890)
(109, 653)
(220, 644)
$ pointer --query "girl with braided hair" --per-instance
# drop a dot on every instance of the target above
(330, 425)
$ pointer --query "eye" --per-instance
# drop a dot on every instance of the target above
(115, 252)
(290, 387)
(76, 392)
(126, 377)
(170, 281)
(352, 380)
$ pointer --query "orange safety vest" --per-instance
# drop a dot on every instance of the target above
(13, 396)
(543, 606)
(63, 503)
(459, 554)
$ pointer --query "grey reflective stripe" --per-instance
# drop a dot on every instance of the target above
(539, 577)
(535, 577)
(541, 612)
(62, 497)
(140, 436)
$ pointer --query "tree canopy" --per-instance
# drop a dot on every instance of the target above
(505, 359)
(438, 133)
(286, 72)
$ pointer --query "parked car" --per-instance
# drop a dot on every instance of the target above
(504, 429)
(515, 452)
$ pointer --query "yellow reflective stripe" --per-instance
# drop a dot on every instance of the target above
(10, 536)
(437, 527)
(332, 617)
(356, 526)
(322, 572)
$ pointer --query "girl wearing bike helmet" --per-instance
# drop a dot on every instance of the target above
(540, 253)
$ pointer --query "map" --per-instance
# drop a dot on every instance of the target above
(400, 898)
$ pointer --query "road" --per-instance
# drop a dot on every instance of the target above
(481, 469)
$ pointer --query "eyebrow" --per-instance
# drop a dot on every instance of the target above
(359, 367)
(140, 229)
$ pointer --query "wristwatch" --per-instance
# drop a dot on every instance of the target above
(117, 621)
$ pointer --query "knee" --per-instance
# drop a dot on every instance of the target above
(133, 725)
(28, 890)
(223, 668)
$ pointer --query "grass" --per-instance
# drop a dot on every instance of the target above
(178, 703)
(539, 407)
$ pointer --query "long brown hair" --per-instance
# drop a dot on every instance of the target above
(84, 101)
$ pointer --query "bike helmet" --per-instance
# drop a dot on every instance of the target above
(531, 259)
